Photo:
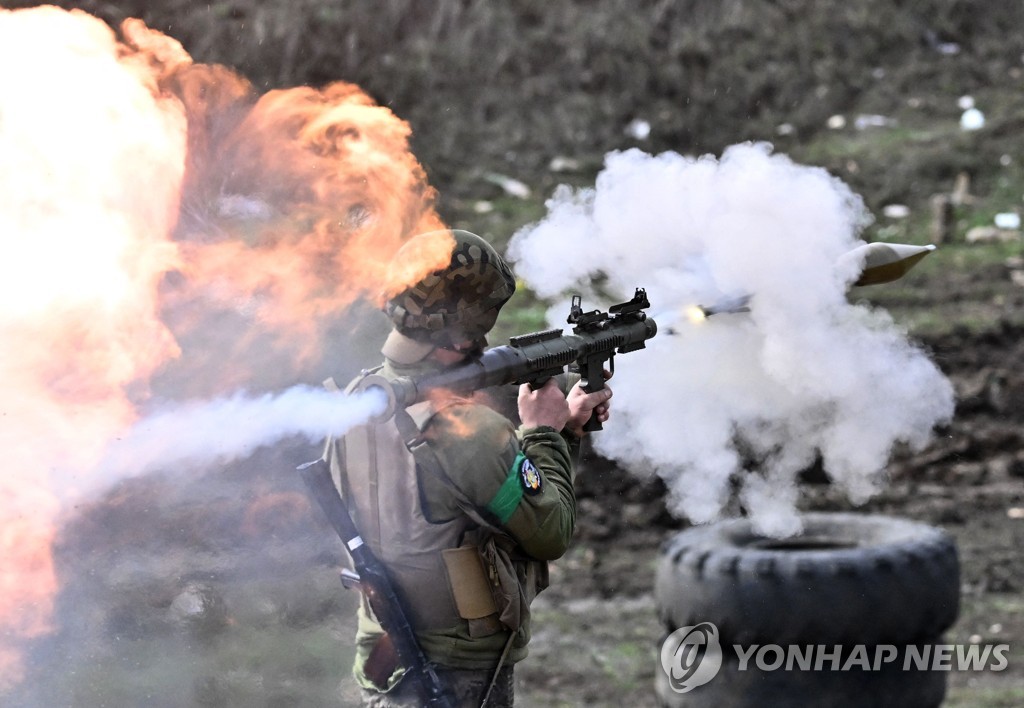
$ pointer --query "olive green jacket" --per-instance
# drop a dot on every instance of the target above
(479, 449)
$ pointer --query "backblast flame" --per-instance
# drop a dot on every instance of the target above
(82, 254)
(293, 204)
(148, 207)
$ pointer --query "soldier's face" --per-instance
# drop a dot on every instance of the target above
(460, 351)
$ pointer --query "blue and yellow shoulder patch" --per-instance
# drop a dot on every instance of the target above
(530, 477)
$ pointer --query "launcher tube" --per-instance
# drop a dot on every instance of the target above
(534, 358)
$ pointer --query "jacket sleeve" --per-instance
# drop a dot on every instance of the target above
(544, 522)
(523, 478)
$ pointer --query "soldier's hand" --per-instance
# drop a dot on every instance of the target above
(583, 405)
(546, 405)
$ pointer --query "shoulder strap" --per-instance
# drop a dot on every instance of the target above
(427, 459)
(335, 451)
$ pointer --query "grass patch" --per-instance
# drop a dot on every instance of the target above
(984, 697)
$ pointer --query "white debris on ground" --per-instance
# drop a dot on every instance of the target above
(639, 129)
(896, 211)
(509, 185)
(972, 119)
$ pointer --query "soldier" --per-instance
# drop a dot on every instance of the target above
(463, 507)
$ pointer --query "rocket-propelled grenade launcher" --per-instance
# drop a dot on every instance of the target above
(534, 358)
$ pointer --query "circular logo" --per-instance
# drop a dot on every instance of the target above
(530, 477)
(691, 656)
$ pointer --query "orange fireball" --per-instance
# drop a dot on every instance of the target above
(159, 215)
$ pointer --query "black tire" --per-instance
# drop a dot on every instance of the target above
(846, 579)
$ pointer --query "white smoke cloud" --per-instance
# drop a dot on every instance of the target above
(232, 428)
(749, 396)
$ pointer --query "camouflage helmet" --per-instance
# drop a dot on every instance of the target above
(457, 303)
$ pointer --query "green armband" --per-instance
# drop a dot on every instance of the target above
(510, 493)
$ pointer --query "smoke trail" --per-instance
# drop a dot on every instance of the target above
(752, 396)
(226, 429)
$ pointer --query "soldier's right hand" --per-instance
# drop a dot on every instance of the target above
(543, 406)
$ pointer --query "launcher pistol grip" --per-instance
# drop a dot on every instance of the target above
(592, 372)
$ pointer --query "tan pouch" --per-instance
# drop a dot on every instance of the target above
(470, 587)
(517, 581)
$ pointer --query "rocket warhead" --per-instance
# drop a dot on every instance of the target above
(879, 263)
(884, 262)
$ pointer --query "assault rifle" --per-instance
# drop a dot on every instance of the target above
(534, 358)
(373, 581)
